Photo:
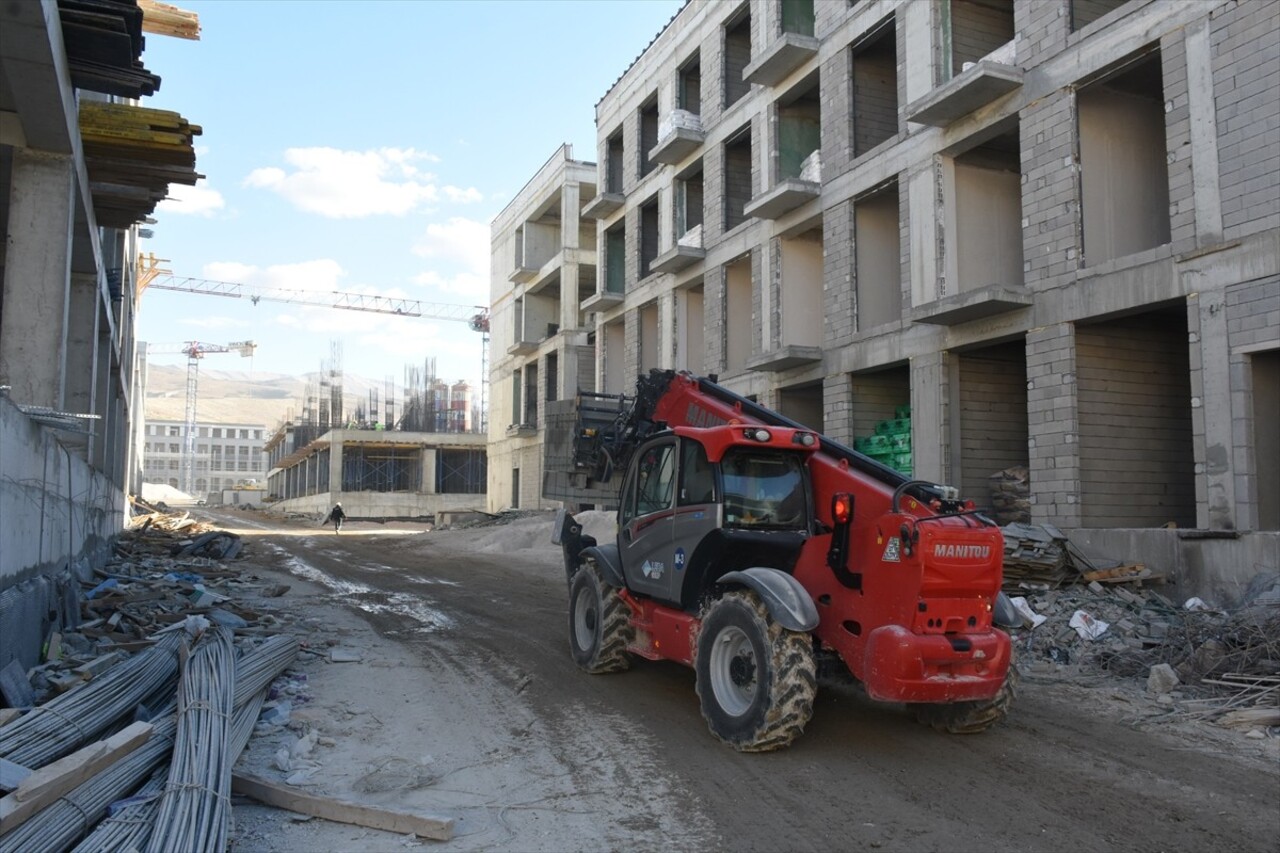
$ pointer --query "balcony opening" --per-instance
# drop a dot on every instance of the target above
(688, 208)
(614, 355)
(530, 416)
(650, 357)
(615, 157)
(800, 291)
(691, 349)
(737, 55)
(797, 16)
(517, 395)
(738, 186)
(978, 28)
(648, 135)
(615, 258)
(880, 416)
(992, 398)
(689, 86)
(800, 132)
(648, 235)
(987, 216)
(552, 377)
(1085, 12)
(1264, 371)
(738, 328)
(875, 88)
(877, 259)
(1124, 171)
(1137, 466)
(803, 404)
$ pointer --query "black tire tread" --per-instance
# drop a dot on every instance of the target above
(616, 632)
(967, 718)
(794, 684)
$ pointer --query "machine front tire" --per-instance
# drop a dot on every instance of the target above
(967, 718)
(599, 623)
(756, 680)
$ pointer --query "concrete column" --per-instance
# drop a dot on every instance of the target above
(101, 446)
(917, 21)
(1052, 425)
(428, 484)
(922, 195)
(82, 355)
(667, 330)
(37, 276)
(930, 398)
(569, 301)
(1211, 415)
(335, 464)
(1204, 134)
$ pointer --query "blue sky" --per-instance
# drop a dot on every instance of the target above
(366, 146)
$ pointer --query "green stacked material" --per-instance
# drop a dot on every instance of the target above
(891, 443)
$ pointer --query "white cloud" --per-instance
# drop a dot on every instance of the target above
(214, 322)
(322, 275)
(198, 200)
(462, 245)
(351, 184)
(467, 196)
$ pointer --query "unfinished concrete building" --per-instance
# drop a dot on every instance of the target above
(1045, 232)
(226, 454)
(543, 266)
(376, 474)
(79, 168)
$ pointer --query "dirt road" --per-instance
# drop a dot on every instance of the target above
(529, 753)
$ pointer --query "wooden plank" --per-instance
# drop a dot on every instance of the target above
(11, 774)
(342, 811)
(53, 780)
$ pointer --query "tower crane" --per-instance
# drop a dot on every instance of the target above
(194, 351)
(150, 273)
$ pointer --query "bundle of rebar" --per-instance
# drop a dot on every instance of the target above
(64, 724)
(129, 828)
(57, 826)
(258, 667)
(195, 811)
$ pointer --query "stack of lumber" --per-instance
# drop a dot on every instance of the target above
(133, 154)
(103, 39)
(1036, 555)
(165, 20)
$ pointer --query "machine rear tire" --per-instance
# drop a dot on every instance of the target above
(967, 718)
(599, 623)
(755, 680)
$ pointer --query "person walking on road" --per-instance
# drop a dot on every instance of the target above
(336, 515)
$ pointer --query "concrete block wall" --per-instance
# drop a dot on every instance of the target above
(1050, 190)
(839, 301)
(1052, 432)
(1177, 124)
(1252, 317)
(1245, 54)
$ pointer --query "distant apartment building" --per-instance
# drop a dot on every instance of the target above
(543, 266)
(1045, 232)
(225, 455)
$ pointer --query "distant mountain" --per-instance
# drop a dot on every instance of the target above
(235, 396)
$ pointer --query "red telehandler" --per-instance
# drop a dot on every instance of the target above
(754, 550)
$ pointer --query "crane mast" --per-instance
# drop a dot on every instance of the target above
(194, 351)
(151, 274)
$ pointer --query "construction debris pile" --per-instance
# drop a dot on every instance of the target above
(124, 737)
(1041, 555)
(1201, 662)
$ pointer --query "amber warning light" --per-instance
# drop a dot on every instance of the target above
(842, 507)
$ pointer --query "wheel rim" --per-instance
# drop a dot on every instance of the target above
(586, 616)
(733, 671)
